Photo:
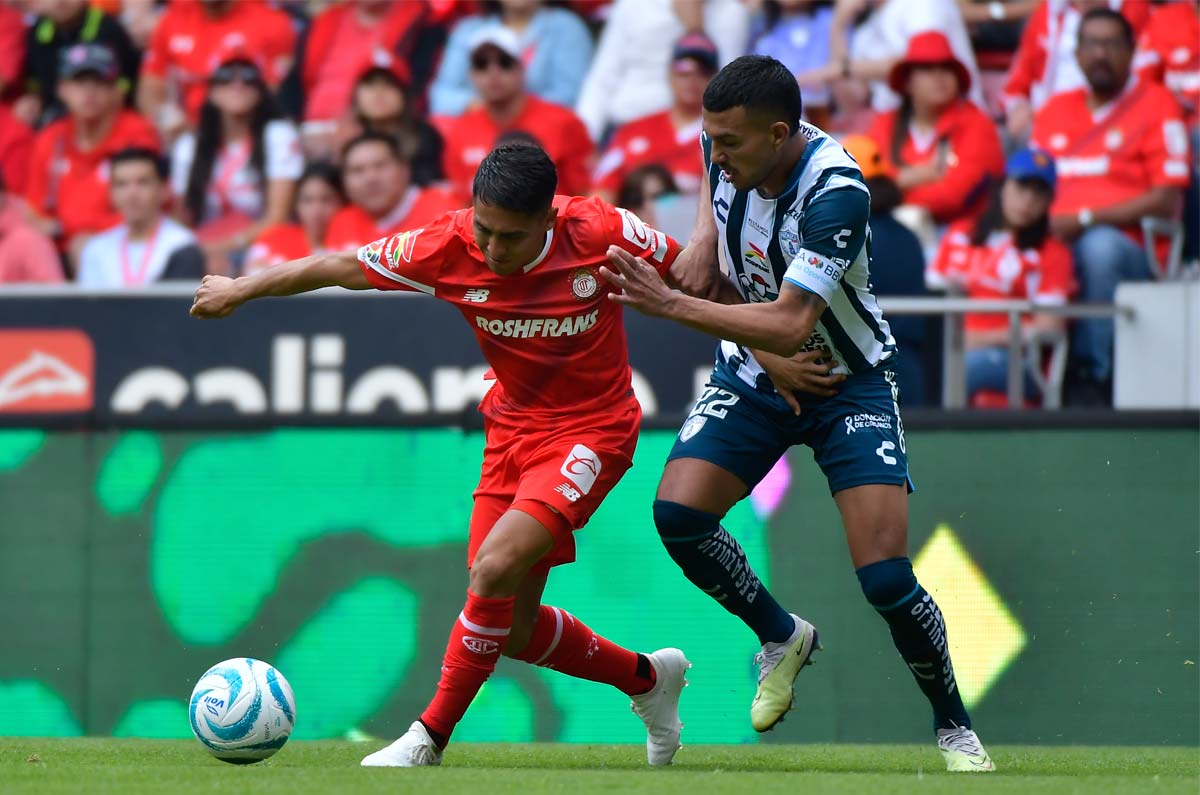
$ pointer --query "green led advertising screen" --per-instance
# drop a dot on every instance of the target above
(1065, 562)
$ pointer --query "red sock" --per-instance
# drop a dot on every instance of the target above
(563, 642)
(475, 644)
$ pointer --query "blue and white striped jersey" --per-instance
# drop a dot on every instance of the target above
(815, 234)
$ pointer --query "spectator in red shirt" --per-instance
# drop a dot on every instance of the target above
(1169, 53)
(383, 102)
(341, 43)
(318, 198)
(185, 47)
(1045, 64)
(499, 79)
(67, 185)
(383, 200)
(1122, 153)
(26, 255)
(16, 142)
(670, 138)
(1007, 253)
(12, 51)
(235, 176)
(946, 150)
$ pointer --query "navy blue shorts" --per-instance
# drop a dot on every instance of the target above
(856, 436)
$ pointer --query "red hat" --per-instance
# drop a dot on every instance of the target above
(930, 48)
(382, 59)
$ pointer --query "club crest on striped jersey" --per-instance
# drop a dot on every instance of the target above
(584, 283)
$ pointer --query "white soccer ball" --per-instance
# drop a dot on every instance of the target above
(242, 710)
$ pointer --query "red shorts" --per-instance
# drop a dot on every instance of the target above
(569, 467)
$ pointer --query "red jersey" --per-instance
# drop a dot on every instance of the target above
(352, 226)
(999, 270)
(16, 142)
(472, 135)
(554, 339)
(965, 140)
(1169, 53)
(652, 139)
(1118, 152)
(71, 185)
(1044, 63)
(277, 244)
(187, 40)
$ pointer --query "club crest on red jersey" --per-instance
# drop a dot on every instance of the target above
(584, 283)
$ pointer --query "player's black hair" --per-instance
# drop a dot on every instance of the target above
(371, 136)
(1112, 16)
(516, 177)
(760, 84)
(134, 154)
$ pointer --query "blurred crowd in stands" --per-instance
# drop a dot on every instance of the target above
(1021, 149)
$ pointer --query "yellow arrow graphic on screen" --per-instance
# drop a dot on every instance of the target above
(984, 635)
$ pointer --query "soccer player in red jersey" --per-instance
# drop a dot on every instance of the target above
(561, 423)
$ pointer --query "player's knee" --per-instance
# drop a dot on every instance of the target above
(887, 583)
(496, 574)
(677, 523)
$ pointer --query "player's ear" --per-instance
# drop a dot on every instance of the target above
(780, 132)
(551, 217)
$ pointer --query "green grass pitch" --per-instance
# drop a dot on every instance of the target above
(132, 767)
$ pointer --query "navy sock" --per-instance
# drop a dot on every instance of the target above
(919, 633)
(716, 564)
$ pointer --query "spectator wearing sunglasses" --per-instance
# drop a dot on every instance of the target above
(499, 77)
(235, 175)
(552, 43)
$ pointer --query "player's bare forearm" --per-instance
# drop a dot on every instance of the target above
(218, 296)
(779, 327)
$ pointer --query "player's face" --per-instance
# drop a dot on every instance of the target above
(374, 179)
(510, 241)
(1104, 56)
(744, 146)
(136, 190)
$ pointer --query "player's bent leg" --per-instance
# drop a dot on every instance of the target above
(692, 497)
(876, 521)
(517, 541)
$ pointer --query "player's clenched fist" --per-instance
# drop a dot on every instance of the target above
(215, 297)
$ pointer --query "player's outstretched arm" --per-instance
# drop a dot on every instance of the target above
(218, 296)
(780, 327)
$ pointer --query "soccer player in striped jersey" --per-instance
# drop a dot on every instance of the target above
(788, 224)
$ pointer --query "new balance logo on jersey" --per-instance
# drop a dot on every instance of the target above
(476, 295)
(582, 467)
(568, 491)
(480, 645)
(539, 326)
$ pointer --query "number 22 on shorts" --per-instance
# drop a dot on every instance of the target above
(713, 402)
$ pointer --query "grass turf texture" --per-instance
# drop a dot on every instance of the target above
(132, 767)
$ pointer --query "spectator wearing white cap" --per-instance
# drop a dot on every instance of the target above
(499, 76)
(553, 44)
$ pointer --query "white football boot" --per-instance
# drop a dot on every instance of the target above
(778, 666)
(963, 751)
(415, 748)
(659, 707)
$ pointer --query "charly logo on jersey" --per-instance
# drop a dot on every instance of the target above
(584, 283)
(789, 241)
(582, 467)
